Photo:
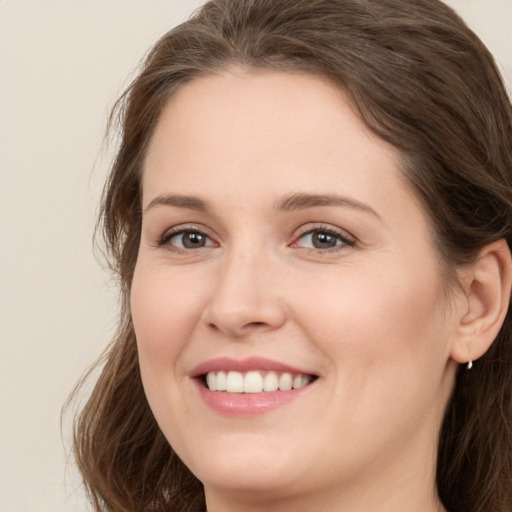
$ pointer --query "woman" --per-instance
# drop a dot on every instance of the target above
(310, 212)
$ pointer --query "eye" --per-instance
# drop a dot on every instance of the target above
(186, 239)
(324, 239)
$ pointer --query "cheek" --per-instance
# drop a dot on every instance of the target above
(381, 334)
(165, 308)
(383, 320)
(164, 312)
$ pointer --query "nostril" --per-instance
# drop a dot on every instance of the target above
(241, 319)
(241, 331)
(254, 326)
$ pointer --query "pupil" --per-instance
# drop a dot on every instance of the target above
(323, 240)
(193, 240)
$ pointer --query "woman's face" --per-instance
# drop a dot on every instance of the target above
(280, 246)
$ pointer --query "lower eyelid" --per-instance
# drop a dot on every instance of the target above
(182, 229)
(342, 237)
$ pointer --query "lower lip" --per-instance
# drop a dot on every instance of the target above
(247, 404)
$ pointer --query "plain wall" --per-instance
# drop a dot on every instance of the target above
(62, 64)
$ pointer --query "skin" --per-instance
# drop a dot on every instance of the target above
(370, 318)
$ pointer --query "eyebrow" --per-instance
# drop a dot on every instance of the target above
(299, 201)
(179, 201)
(305, 201)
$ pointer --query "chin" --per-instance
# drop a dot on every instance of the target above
(249, 480)
(247, 471)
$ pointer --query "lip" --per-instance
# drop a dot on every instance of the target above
(244, 365)
(246, 404)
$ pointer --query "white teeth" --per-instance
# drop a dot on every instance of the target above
(285, 382)
(254, 381)
(220, 381)
(270, 382)
(234, 382)
(299, 381)
(211, 381)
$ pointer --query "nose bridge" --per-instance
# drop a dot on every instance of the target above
(245, 297)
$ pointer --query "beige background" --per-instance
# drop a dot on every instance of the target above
(62, 64)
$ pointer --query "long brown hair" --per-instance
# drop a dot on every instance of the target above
(421, 80)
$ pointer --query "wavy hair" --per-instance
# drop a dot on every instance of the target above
(421, 80)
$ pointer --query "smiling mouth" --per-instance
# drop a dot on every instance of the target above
(255, 381)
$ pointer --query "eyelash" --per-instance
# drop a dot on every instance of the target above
(340, 235)
(168, 235)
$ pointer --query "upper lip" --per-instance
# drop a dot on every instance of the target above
(244, 365)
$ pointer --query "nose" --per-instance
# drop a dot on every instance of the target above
(246, 298)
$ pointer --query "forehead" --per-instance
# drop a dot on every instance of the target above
(257, 99)
(263, 122)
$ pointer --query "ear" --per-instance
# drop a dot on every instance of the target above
(486, 284)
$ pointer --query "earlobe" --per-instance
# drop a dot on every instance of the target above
(487, 285)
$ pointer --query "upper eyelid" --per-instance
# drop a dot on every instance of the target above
(180, 228)
(312, 227)
(183, 228)
(303, 230)
(346, 240)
